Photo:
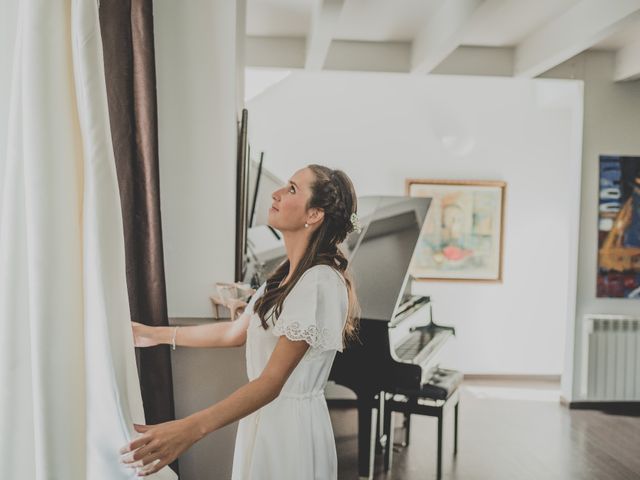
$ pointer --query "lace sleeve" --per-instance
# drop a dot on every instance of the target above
(315, 310)
(317, 338)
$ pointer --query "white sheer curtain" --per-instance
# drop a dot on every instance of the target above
(8, 14)
(69, 391)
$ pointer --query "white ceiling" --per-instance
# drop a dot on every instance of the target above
(279, 18)
(383, 20)
(507, 23)
(430, 31)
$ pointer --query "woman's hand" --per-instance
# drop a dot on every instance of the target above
(144, 335)
(159, 445)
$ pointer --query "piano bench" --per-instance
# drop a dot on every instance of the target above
(434, 399)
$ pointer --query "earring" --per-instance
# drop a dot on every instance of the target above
(306, 225)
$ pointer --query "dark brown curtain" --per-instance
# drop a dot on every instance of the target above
(129, 60)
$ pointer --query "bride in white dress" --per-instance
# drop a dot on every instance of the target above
(292, 327)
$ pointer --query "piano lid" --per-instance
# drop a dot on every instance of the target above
(381, 254)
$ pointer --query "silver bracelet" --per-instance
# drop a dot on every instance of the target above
(173, 340)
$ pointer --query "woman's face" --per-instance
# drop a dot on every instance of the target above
(288, 211)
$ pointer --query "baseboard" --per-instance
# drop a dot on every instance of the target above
(511, 377)
(619, 407)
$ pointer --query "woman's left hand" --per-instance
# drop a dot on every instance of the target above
(159, 445)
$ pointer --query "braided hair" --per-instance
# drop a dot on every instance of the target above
(332, 191)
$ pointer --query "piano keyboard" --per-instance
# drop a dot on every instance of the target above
(413, 345)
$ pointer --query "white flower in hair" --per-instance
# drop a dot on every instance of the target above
(355, 222)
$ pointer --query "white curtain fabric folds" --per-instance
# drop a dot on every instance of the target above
(69, 390)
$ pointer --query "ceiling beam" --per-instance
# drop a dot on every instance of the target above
(289, 53)
(628, 62)
(491, 61)
(579, 28)
(323, 24)
(442, 34)
(346, 55)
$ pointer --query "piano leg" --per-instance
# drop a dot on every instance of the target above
(388, 429)
(439, 459)
(367, 426)
(381, 433)
(455, 431)
(411, 403)
(407, 429)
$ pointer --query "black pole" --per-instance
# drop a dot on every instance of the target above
(255, 190)
(241, 197)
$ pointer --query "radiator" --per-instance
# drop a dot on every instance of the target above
(610, 358)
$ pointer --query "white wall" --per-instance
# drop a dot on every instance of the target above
(200, 89)
(196, 56)
(611, 126)
(383, 128)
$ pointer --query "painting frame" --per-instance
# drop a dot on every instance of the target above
(420, 186)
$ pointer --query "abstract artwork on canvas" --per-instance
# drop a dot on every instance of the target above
(462, 235)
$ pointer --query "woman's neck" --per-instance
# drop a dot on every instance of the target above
(295, 244)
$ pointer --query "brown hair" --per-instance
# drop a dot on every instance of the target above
(333, 192)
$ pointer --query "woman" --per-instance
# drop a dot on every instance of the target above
(292, 326)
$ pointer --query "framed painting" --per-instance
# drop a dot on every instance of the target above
(462, 236)
(619, 227)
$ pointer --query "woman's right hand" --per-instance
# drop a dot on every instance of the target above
(144, 335)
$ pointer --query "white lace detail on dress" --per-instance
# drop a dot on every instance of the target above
(318, 339)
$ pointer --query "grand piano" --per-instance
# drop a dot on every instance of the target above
(398, 342)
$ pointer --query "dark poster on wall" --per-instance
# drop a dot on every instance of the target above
(619, 227)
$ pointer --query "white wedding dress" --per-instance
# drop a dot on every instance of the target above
(291, 438)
